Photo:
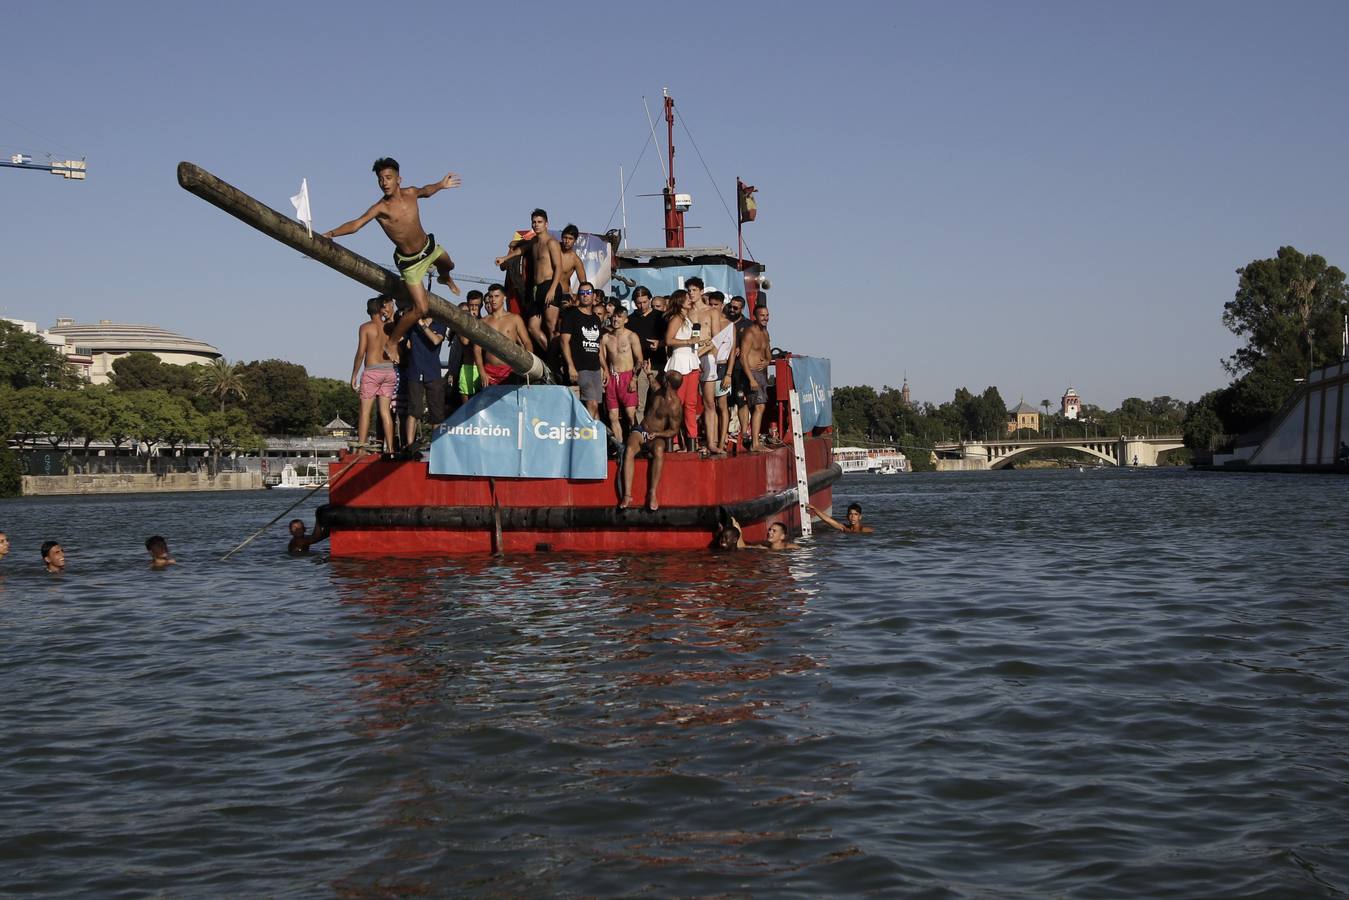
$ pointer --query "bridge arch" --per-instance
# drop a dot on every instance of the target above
(1086, 449)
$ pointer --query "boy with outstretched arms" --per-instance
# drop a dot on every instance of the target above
(415, 251)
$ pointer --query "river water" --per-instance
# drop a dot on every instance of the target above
(1026, 684)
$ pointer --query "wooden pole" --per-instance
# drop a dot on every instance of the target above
(327, 251)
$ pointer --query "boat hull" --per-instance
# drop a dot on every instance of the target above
(387, 507)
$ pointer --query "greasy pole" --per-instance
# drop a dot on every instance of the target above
(291, 233)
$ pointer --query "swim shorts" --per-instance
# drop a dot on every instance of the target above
(758, 393)
(498, 374)
(591, 384)
(470, 379)
(621, 390)
(379, 381)
(538, 300)
(414, 268)
(722, 387)
(708, 365)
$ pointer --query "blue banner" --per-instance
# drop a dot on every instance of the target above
(664, 280)
(811, 376)
(519, 431)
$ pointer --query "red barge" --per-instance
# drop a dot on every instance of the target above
(380, 506)
(383, 507)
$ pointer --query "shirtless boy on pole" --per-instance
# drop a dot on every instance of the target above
(755, 354)
(494, 369)
(621, 354)
(415, 251)
(380, 378)
(546, 256)
(664, 415)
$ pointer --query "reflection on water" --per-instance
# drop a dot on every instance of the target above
(1044, 684)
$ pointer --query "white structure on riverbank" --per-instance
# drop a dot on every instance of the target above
(106, 342)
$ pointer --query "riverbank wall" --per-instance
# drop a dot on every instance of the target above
(135, 483)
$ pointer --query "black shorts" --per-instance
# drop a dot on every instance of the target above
(538, 300)
(429, 396)
(739, 387)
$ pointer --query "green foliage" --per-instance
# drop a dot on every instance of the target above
(1290, 310)
(26, 360)
(28, 412)
(221, 382)
(142, 371)
(159, 418)
(11, 476)
(335, 399)
(1250, 401)
(229, 431)
(281, 399)
(1202, 425)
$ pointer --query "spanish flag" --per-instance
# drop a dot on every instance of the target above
(748, 207)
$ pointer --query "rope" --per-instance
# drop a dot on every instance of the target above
(708, 170)
(628, 183)
(257, 533)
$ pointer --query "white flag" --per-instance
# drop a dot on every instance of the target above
(301, 203)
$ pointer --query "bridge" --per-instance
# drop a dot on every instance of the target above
(1124, 450)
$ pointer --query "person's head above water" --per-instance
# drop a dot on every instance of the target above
(728, 538)
(53, 556)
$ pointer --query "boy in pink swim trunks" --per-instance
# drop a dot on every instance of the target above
(621, 356)
(380, 378)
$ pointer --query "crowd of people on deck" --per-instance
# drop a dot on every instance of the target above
(685, 373)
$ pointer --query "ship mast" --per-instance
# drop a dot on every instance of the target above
(674, 211)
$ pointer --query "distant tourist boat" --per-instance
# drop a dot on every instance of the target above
(877, 460)
(289, 478)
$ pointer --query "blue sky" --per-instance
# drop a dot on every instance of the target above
(1027, 195)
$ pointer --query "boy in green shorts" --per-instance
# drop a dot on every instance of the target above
(415, 251)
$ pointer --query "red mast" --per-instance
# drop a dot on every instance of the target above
(674, 216)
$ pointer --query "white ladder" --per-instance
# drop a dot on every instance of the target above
(802, 476)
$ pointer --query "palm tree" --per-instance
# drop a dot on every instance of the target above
(222, 380)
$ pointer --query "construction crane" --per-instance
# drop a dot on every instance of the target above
(66, 168)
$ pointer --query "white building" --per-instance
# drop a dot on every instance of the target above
(106, 342)
(1072, 404)
(76, 357)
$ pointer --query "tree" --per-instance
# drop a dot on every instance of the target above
(280, 398)
(123, 420)
(336, 399)
(87, 415)
(221, 381)
(26, 360)
(1202, 424)
(11, 476)
(1045, 404)
(27, 412)
(158, 415)
(227, 431)
(143, 371)
(1289, 309)
(992, 413)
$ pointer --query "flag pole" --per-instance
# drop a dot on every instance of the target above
(739, 226)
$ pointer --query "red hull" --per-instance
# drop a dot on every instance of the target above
(382, 507)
